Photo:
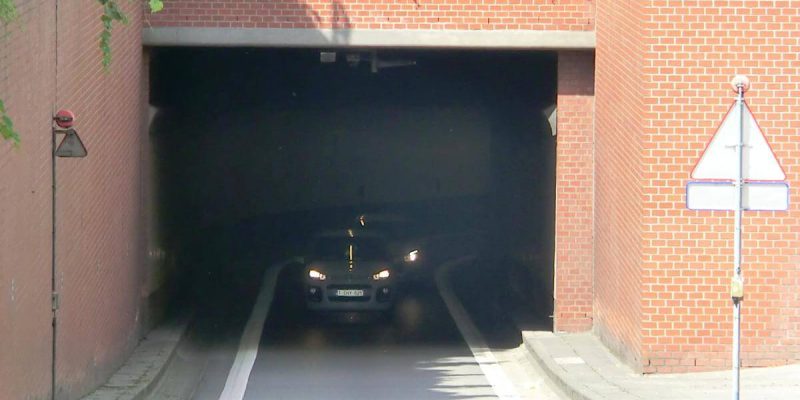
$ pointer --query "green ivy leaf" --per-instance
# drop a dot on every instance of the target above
(156, 6)
(111, 13)
(7, 131)
(8, 11)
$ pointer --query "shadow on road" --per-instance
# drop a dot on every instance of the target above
(503, 298)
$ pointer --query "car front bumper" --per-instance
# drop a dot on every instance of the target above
(349, 296)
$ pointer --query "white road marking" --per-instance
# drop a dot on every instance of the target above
(502, 385)
(239, 375)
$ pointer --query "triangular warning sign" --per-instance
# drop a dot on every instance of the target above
(71, 146)
(719, 162)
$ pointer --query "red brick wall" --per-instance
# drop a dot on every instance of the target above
(98, 254)
(27, 65)
(661, 271)
(569, 15)
(693, 52)
(574, 191)
(618, 178)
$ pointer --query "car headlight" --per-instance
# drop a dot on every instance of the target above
(412, 256)
(314, 274)
(384, 274)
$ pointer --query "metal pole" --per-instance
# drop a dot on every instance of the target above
(53, 296)
(737, 253)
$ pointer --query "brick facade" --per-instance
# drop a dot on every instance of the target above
(568, 15)
(662, 271)
(618, 175)
(25, 317)
(691, 54)
(46, 65)
(574, 192)
(647, 275)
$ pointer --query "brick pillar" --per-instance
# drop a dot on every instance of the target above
(574, 192)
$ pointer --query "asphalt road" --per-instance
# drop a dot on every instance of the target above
(416, 353)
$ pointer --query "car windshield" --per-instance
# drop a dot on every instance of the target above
(334, 248)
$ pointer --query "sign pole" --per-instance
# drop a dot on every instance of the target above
(53, 288)
(71, 146)
(737, 281)
(718, 186)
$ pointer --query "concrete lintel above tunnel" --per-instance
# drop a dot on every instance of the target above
(268, 37)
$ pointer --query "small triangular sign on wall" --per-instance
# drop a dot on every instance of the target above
(71, 146)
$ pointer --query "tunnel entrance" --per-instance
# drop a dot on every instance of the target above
(256, 149)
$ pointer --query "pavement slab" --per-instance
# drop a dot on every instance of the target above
(141, 372)
(586, 370)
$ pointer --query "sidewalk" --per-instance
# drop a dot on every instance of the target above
(584, 369)
(141, 372)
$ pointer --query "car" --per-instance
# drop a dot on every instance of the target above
(349, 270)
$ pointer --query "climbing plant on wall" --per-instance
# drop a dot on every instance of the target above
(111, 13)
(8, 13)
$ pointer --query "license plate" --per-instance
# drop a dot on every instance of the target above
(350, 292)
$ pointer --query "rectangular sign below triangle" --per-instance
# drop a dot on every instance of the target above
(719, 161)
(756, 196)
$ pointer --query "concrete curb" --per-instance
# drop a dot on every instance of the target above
(142, 372)
(557, 375)
(584, 369)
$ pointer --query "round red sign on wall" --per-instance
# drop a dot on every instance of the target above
(64, 118)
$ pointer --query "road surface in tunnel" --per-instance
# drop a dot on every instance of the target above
(415, 353)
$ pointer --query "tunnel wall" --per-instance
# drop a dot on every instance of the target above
(261, 161)
(46, 65)
(574, 192)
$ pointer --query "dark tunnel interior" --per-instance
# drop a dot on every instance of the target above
(254, 150)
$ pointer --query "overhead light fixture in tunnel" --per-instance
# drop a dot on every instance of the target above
(353, 59)
(376, 63)
(327, 57)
